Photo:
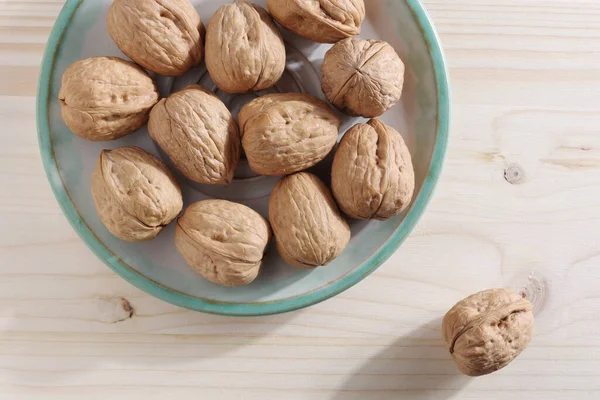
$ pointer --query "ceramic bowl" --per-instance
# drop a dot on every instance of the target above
(156, 267)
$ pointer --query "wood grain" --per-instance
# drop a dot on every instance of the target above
(520, 194)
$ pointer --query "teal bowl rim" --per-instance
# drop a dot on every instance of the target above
(245, 309)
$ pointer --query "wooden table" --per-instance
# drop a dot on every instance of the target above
(520, 194)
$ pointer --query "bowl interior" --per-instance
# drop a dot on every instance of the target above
(156, 266)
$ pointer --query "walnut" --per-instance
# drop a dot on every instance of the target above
(372, 175)
(135, 193)
(323, 21)
(105, 98)
(362, 77)
(244, 49)
(286, 133)
(222, 241)
(308, 227)
(487, 330)
(198, 133)
(162, 36)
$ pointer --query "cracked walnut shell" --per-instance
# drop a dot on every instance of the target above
(222, 241)
(198, 133)
(487, 330)
(287, 132)
(105, 98)
(362, 77)
(323, 21)
(163, 36)
(308, 227)
(244, 49)
(372, 175)
(135, 193)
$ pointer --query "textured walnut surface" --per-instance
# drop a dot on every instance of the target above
(135, 194)
(223, 241)
(163, 36)
(105, 98)
(362, 77)
(244, 49)
(323, 21)
(308, 227)
(372, 174)
(198, 133)
(487, 330)
(286, 133)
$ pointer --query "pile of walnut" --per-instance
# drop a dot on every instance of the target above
(106, 98)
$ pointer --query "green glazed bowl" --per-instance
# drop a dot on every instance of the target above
(422, 117)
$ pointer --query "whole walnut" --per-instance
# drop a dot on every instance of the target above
(323, 21)
(308, 227)
(362, 77)
(287, 132)
(198, 133)
(224, 242)
(372, 175)
(105, 98)
(135, 193)
(244, 49)
(162, 36)
(487, 330)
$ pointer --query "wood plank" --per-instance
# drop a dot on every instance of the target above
(519, 195)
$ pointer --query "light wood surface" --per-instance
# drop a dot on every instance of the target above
(520, 194)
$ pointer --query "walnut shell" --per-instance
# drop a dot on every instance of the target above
(308, 227)
(372, 175)
(287, 132)
(105, 98)
(162, 36)
(198, 133)
(323, 21)
(362, 77)
(487, 330)
(224, 242)
(135, 193)
(244, 49)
